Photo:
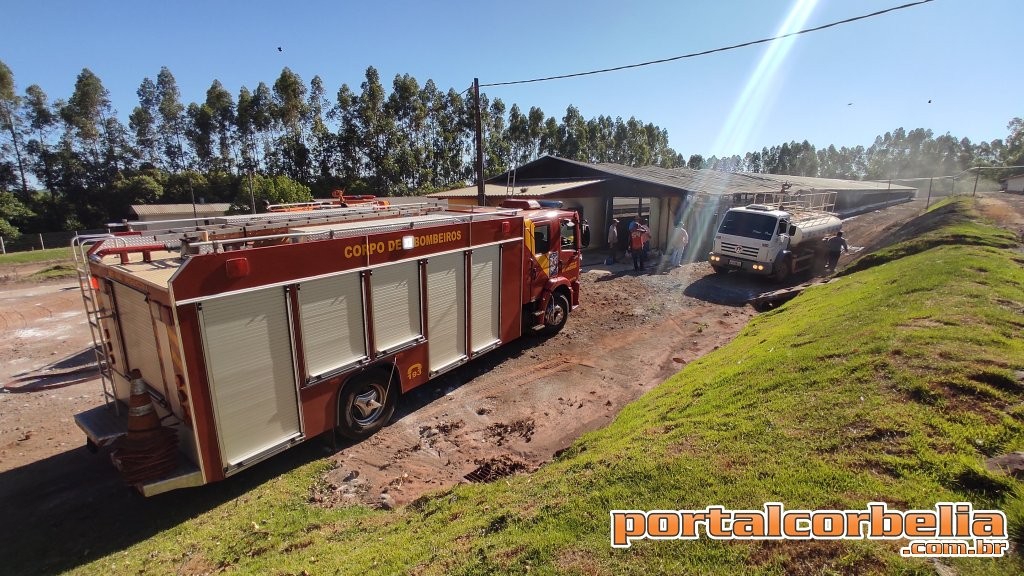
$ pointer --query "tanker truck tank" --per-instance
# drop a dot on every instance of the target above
(812, 227)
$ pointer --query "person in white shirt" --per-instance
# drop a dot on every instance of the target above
(613, 237)
(679, 245)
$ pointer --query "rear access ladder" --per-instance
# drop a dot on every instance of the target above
(80, 246)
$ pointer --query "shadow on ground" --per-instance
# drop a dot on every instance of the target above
(736, 289)
(56, 524)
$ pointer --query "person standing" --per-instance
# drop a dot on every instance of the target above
(835, 246)
(637, 238)
(682, 239)
(613, 238)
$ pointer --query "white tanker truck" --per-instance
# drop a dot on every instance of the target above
(780, 235)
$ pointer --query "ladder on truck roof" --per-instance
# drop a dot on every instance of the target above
(248, 223)
(87, 284)
(312, 230)
(205, 235)
(812, 201)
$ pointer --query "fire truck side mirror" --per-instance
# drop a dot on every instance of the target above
(585, 236)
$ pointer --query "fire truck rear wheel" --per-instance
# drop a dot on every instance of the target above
(556, 314)
(365, 405)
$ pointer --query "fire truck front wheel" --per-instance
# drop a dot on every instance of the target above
(365, 405)
(556, 314)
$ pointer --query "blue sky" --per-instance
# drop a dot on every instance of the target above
(840, 86)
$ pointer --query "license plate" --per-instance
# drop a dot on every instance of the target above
(735, 263)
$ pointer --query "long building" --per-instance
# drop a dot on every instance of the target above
(667, 196)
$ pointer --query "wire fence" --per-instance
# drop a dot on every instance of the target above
(42, 241)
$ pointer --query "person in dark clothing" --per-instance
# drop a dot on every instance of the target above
(835, 246)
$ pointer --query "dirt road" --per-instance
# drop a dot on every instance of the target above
(508, 411)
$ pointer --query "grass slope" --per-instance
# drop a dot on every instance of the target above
(34, 256)
(891, 384)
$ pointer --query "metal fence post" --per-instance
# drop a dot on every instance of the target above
(41, 245)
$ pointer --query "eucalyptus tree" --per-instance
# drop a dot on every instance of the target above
(448, 138)
(348, 138)
(289, 111)
(497, 152)
(85, 113)
(323, 146)
(376, 132)
(408, 114)
(222, 116)
(142, 122)
(261, 112)
(517, 135)
(88, 155)
(10, 120)
(41, 118)
(550, 137)
(601, 135)
(638, 149)
(572, 134)
(245, 131)
(620, 142)
(431, 100)
(199, 133)
(171, 125)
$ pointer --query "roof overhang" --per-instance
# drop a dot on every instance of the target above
(523, 189)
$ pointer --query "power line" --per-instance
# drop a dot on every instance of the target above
(706, 52)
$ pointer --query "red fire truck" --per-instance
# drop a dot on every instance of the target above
(227, 341)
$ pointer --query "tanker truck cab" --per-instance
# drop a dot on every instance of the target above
(750, 239)
(768, 241)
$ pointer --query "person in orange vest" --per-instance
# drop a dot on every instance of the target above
(637, 239)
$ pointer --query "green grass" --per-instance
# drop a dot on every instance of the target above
(35, 256)
(891, 384)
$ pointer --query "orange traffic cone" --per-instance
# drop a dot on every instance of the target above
(142, 415)
(148, 451)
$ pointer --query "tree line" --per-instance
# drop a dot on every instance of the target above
(71, 163)
(896, 155)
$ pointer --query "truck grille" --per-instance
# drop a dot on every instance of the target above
(729, 248)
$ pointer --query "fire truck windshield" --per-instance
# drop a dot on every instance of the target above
(750, 225)
(568, 235)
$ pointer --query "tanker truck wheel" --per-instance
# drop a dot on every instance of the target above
(556, 314)
(780, 272)
(365, 404)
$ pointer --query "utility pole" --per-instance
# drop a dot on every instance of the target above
(977, 174)
(929, 201)
(481, 198)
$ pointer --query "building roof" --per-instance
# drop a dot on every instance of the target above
(524, 189)
(174, 209)
(711, 182)
(706, 181)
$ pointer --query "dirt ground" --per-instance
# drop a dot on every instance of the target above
(509, 411)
